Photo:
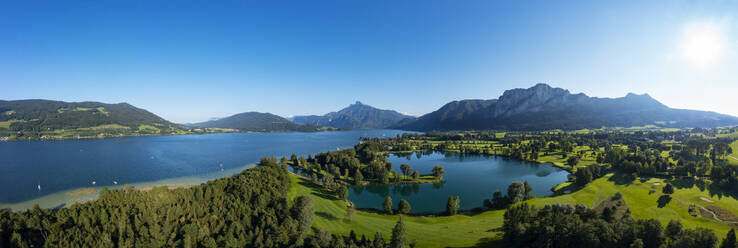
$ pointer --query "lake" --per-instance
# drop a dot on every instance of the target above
(60, 167)
(471, 177)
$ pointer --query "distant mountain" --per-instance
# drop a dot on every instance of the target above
(257, 122)
(543, 107)
(44, 115)
(356, 116)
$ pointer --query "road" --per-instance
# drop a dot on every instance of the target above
(594, 204)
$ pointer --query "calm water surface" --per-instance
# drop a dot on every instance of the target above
(471, 177)
(61, 166)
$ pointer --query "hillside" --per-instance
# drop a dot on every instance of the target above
(357, 116)
(34, 119)
(543, 107)
(257, 122)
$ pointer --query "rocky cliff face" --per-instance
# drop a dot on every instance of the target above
(535, 99)
(544, 107)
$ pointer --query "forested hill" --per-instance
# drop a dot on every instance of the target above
(257, 122)
(543, 107)
(37, 118)
(357, 116)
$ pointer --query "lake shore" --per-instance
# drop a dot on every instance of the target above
(66, 198)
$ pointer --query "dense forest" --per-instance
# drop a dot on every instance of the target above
(250, 209)
(33, 119)
(578, 226)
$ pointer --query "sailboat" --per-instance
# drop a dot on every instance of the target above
(39, 187)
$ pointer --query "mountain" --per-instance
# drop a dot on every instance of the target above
(257, 122)
(356, 116)
(56, 119)
(543, 107)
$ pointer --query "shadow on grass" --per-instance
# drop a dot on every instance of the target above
(318, 190)
(326, 215)
(490, 242)
(622, 179)
(713, 189)
(663, 200)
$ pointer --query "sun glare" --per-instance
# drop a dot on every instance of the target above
(703, 44)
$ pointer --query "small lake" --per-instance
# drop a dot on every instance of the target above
(471, 177)
(62, 166)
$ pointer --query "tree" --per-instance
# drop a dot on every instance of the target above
(378, 240)
(387, 205)
(638, 243)
(651, 232)
(399, 239)
(572, 161)
(342, 192)
(403, 207)
(452, 205)
(358, 177)
(516, 192)
(673, 229)
(303, 212)
(416, 175)
(528, 191)
(729, 240)
(406, 169)
(438, 171)
(350, 212)
(668, 189)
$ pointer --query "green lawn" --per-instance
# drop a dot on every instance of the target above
(480, 229)
(6, 124)
(106, 126)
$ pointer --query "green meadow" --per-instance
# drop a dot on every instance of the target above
(481, 229)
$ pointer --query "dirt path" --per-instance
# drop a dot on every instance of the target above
(594, 204)
(732, 157)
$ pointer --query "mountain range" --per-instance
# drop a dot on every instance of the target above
(355, 116)
(257, 122)
(36, 118)
(540, 107)
(543, 107)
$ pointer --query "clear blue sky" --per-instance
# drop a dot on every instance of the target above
(189, 61)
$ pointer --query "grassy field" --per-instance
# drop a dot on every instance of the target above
(106, 126)
(482, 229)
(6, 124)
(734, 155)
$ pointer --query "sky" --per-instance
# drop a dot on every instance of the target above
(189, 61)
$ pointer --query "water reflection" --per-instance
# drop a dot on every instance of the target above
(472, 177)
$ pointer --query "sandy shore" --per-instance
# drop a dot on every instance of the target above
(69, 197)
(170, 187)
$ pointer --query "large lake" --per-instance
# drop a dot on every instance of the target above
(471, 177)
(60, 167)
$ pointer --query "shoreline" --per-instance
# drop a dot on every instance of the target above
(66, 198)
(155, 135)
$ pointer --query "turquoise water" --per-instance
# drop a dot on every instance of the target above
(471, 177)
(63, 166)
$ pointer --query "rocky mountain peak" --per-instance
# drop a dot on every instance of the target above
(533, 99)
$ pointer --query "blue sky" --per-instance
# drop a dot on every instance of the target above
(189, 61)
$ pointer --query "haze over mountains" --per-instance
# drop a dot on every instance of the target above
(543, 107)
(355, 116)
(256, 122)
(540, 107)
